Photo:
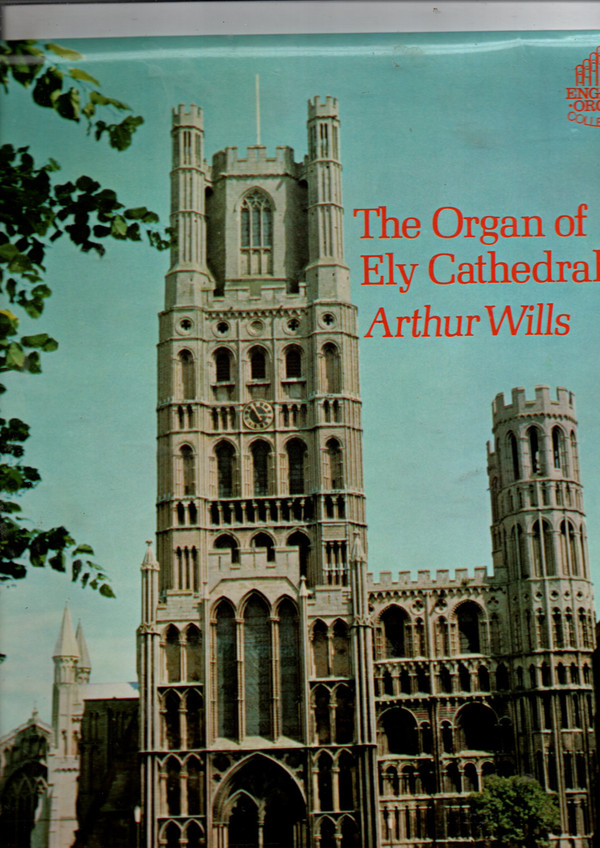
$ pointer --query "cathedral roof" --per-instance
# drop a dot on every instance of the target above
(66, 644)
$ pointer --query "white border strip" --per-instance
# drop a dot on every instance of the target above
(104, 20)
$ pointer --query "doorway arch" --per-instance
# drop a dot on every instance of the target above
(260, 803)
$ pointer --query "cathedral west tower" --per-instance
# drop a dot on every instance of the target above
(255, 649)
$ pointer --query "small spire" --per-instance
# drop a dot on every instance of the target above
(304, 593)
(149, 558)
(84, 662)
(357, 553)
(66, 644)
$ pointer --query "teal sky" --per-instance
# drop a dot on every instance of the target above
(475, 121)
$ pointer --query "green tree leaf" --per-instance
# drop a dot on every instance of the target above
(63, 52)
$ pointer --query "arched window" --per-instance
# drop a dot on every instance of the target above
(464, 678)
(227, 689)
(534, 450)
(289, 669)
(331, 369)
(341, 649)
(172, 654)
(194, 770)
(187, 379)
(222, 357)
(171, 721)
(471, 781)
(344, 715)
(320, 648)
(188, 463)
(293, 363)
(256, 236)
(445, 679)
(443, 637)
(258, 364)
(396, 632)
(263, 542)
(559, 454)
(171, 835)
(574, 454)
(193, 705)
(514, 454)
(400, 732)
(324, 782)
(483, 678)
(543, 549)
(322, 715)
(226, 468)
(468, 619)
(228, 543)
(335, 471)
(302, 542)
(476, 728)
(569, 549)
(327, 834)
(346, 781)
(261, 461)
(193, 653)
(173, 787)
(257, 665)
(296, 452)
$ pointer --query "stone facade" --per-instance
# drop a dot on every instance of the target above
(287, 697)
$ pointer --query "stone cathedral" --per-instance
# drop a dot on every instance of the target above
(287, 698)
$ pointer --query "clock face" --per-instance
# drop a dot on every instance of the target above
(257, 415)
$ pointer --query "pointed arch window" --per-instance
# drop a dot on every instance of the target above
(258, 364)
(188, 463)
(534, 450)
(193, 652)
(289, 653)
(172, 654)
(256, 236)
(302, 542)
(222, 358)
(263, 542)
(559, 454)
(514, 454)
(225, 453)
(186, 374)
(228, 543)
(296, 451)
(543, 549)
(227, 690)
(293, 363)
(336, 464)
(331, 369)
(261, 462)
(257, 663)
(468, 617)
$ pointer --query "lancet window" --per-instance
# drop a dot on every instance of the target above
(256, 236)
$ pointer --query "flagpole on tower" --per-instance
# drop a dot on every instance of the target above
(257, 109)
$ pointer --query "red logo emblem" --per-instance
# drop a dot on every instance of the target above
(583, 99)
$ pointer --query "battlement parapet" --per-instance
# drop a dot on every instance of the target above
(543, 404)
(442, 579)
(188, 117)
(327, 109)
(256, 163)
(274, 293)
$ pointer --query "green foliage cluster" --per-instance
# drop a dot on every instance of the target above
(35, 211)
(514, 812)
